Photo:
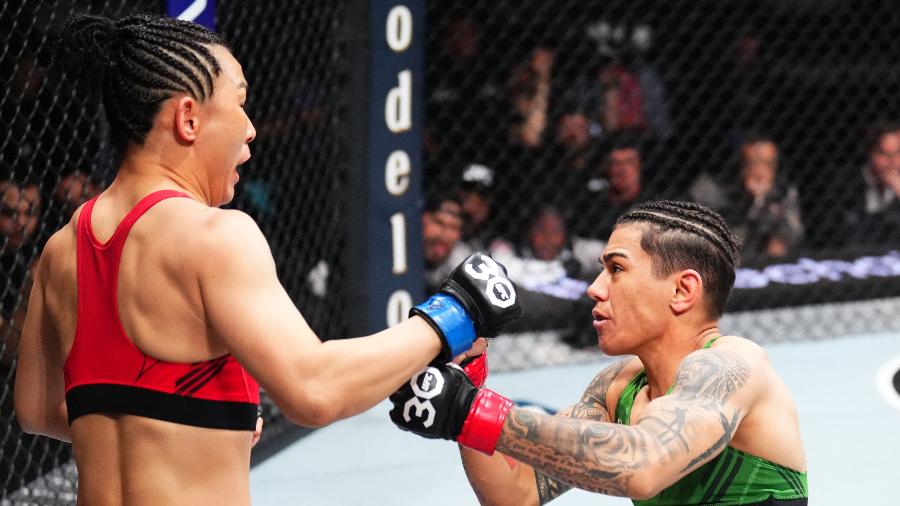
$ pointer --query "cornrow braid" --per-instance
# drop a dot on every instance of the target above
(690, 217)
(686, 235)
(141, 61)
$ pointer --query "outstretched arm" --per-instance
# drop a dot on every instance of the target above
(315, 382)
(500, 479)
(674, 435)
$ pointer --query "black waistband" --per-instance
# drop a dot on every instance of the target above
(782, 502)
(129, 400)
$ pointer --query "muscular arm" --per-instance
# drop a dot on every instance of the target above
(314, 383)
(674, 435)
(500, 479)
(39, 390)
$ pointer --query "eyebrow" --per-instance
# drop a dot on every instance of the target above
(242, 84)
(609, 256)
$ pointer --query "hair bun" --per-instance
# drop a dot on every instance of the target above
(86, 43)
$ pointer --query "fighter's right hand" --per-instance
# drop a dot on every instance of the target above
(476, 299)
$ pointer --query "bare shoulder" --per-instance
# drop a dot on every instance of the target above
(59, 253)
(751, 352)
(227, 237)
(732, 368)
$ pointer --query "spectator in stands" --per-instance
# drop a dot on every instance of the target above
(570, 176)
(874, 216)
(477, 191)
(611, 95)
(20, 210)
(442, 222)
(861, 207)
(594, 208)
(654, 95)
(74, 188)
(882, 172)
(551, 306)
(547, 239)
(760, 205)
(529, 88)
(574, 140)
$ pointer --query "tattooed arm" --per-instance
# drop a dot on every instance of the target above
(674, 435)
(500, 479)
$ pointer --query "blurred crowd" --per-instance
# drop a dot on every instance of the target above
(543, 124)
(538, 135)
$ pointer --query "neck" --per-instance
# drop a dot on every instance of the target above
(663, 356)
(142, 173)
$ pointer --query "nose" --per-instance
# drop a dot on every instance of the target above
(598, 290)
(251, 132)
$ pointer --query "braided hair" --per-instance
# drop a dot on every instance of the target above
(685, 235)
(140, 62)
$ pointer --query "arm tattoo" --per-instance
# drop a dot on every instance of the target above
(712, 375)
(709, 380)
(603, 457)
(592, 406)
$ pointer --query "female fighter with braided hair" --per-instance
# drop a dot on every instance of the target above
(154, 313)
(691, 418)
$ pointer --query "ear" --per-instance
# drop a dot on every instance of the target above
(688, 291)
(187, 122)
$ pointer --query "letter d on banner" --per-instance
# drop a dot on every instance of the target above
(202, 12)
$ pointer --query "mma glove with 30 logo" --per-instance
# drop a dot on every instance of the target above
(440, 402)
(476, 299)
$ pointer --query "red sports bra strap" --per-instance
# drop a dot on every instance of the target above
(142, 207)
(84, 220)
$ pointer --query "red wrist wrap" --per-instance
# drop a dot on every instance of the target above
(477, 370)
(481, 429)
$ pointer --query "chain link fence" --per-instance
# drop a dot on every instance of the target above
(548, 119)
(544, 121)
(56, 155)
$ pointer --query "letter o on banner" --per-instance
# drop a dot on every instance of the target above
(399, 28)
(398, 307)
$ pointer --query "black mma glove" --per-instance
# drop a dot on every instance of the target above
(476, 299)
(440, 402)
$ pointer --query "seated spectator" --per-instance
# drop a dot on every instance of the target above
(574, 141)
(552, 270)
(74, 189)
(476, 198)
(761, 207)
(442, 223)
(610, 95)
(20, 210)
(547, 241)
(593, 209)
(441, 232)
(865, 210)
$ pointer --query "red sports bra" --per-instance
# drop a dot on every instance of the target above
(106, 373)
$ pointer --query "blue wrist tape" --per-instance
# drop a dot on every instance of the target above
(453, 321)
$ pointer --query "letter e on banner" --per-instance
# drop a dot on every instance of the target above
(396, 173)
